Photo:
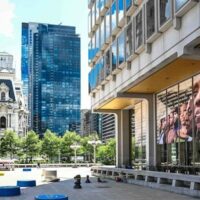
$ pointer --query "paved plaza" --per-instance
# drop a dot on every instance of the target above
(98, 191)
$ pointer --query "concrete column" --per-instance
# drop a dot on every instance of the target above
(123, 139)
(151, 136)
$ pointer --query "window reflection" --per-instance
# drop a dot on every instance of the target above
(102, 27)
(128, 4)
(107, 24)
(140, 131)
(165, 11)
(107, 63)
(93, 46)
(97, 40)
(114, 55)
(93, 15)
(139, 30)
(121, 56)
(90, 55)
(179, 4)
(120, 10)
(95, 75)
(101, 4)
(150, 12)
(97, 9)
(98, 80)
(129, 40)
(101, 69)
(89, 22)
(113, 16)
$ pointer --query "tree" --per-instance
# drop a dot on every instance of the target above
(86, 148)
(31, 145)
(9, 144)
(68, 139)
(106, 153)
(50, 145)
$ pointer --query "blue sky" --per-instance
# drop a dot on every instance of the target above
(67, 12)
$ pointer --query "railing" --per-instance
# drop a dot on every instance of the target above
(174, 182)
(53, 165)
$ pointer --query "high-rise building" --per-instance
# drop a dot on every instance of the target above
(108, 126)
(90, 122)
(145, 68)
(51, 76)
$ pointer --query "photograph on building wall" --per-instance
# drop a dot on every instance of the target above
(178, 112)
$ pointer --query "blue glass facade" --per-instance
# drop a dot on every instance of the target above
(24, 59)
(54, 78)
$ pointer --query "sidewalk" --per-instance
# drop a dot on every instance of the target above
(96, 191)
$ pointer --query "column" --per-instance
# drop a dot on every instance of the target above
(123, 139)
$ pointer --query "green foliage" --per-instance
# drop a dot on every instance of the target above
(86, 148)
(67, 140)
(106, 153)
(31, 145)
(50, 145)
(9, 144)
(133, 148)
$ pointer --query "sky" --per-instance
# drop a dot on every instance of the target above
(67, 12)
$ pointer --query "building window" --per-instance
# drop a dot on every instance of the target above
(165, 11)
(114, 55)
(93, 46)
(93, 16)
(150, 18)
(140, 135)
(128, 4)
(179, 4)
(114, 15)
(90, 57)
(3, 122)
(101, 66)
(121, 50)
(107, 24)
(97, 9)
(139, 30)
(101, 4)
(120, 10)
(3, 96)
(102, 32)
(129, 40)
(89, 22)
(97, 40)
(107, 63)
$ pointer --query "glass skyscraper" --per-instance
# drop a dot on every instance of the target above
(51, 76)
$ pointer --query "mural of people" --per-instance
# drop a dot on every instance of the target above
(171, 134)
(196, 96)
(163, 129)
(180, 120)
(185, 128)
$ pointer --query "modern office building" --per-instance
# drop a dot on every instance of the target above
(107, 126)
(51, 76)
(145, 69)
(13, 111)
(90, 122)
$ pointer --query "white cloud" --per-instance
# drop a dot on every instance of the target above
(6, 18)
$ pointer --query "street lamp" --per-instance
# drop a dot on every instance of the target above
(75, 146)
(94, 143)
